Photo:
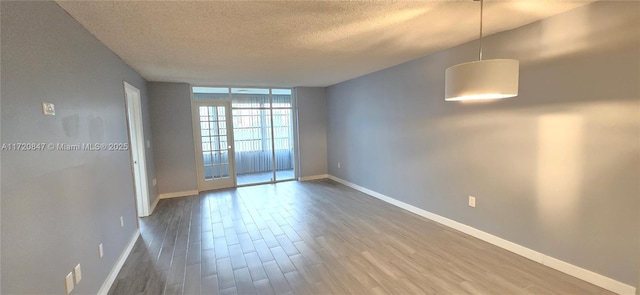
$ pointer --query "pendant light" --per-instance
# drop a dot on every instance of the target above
(482, 79)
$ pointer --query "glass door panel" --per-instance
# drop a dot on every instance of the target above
(260, 124)
(283, 134)
(215, 165)
(252, 139)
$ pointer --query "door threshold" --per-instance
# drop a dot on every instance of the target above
(266, 182)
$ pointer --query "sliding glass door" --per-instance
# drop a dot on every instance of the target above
(262, 123)
(251, 109)
(283, 134)
(263, 135)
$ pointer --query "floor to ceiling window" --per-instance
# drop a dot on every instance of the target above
(262, 134)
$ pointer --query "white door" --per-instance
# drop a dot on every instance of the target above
(136, 142)
(213, 141)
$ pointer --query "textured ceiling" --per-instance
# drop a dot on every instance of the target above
(290, 43)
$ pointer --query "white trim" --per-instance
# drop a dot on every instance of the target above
(295, 134)
(221, 183)
(565, 267)
(116, 268)
(178, 194)
(155, 203)
(313, 177)
(133, 108)
(589, 276)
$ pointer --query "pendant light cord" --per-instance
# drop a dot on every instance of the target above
(481, 10)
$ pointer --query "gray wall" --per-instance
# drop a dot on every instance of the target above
(58, 206)
(555, 169)
(312, 130)
(172, 128)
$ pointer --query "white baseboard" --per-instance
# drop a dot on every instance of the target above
(557, 264)
(178, 194)
(116, 268)
(313, 177)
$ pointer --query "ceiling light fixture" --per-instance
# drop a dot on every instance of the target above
(482, 79)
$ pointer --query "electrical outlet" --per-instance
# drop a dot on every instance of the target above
(338, 164)
(155, 182)
(77, 273)
(148, 143)
(100, 250)
(68, 282)
(121, 221)
(48, 109)
(472, 201)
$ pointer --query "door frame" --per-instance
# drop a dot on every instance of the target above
(203, 185)
(135, 130)
(228, 100)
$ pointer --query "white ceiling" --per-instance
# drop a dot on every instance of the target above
(290, 43)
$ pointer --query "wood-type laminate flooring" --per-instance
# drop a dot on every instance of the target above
(318, 237)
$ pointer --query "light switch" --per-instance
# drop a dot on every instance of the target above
(77, 273)
(48, 109)
(100, 250)
(68, 282)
